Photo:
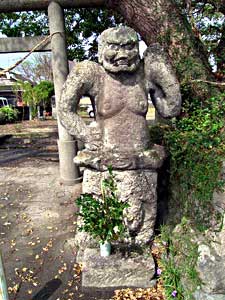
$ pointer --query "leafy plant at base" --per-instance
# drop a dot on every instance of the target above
(8, 114)
(178, 262)
(103, 218)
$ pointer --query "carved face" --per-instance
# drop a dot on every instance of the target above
(118, 50)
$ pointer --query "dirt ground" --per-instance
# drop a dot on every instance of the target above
(38, 221)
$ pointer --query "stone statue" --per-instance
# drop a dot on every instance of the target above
(119, 87)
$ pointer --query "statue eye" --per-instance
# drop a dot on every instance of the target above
(129, 46)
(114, 47)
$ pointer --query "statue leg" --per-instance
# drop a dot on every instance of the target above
(138, 188)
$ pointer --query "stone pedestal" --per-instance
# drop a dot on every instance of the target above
(138, 188)
(115, 271)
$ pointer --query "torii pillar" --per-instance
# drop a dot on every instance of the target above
(69, 172)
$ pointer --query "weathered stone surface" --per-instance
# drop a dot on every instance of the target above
(116, 271)
(149, 159)
(211, 266)
(113, 44)
(119, 88)
(211, 262)
(136, 187)
(161, 79)
(204, 296)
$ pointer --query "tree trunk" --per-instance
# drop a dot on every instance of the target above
(30, 112)
(161, 21)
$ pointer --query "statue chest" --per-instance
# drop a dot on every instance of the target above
(117, 94)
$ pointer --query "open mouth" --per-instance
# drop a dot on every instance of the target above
(122, 62)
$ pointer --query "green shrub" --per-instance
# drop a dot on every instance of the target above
(103, 218)
(178, 261)
(8, 114)
(196, 145)
(197, 150)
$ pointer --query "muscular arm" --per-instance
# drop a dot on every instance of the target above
(162, 82)
(79, 83)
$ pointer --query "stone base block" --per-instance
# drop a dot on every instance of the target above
(115, 271)
(204, 296)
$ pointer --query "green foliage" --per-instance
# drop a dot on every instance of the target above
(178, 262)
(8, 114)
(39, 94)
(22, 24)
(83, 26)
(44, 90)
(210, 21)
(103, 218)
(195, 143)
(28, 93)
(207, 20)
(197, 149)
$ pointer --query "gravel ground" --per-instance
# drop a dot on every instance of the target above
(38, 221)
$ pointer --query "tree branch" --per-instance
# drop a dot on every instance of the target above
(209, 82)
(27, 55)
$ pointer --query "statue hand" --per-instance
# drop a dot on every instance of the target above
(94, 139)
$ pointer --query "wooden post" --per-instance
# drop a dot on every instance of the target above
(3, 285)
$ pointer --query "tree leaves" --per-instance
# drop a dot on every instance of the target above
(82, 28)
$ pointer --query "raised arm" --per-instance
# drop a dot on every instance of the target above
(79, 83)
(162, 83)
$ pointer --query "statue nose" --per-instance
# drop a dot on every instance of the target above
(121, 54)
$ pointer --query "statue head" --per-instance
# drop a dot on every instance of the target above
(118, 49)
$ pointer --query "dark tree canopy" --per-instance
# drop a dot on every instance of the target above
(207, 19)
(82, 27)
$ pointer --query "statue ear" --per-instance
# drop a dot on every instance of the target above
(100, 59)
(100, 50)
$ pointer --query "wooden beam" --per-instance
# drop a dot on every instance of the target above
(25, 5)
(23, 44)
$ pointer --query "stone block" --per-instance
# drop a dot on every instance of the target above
(115, 271)
(199, 295)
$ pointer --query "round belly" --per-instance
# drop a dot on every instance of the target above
(125, 132)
